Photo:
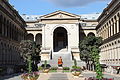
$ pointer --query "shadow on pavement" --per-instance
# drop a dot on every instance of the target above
(9, 76)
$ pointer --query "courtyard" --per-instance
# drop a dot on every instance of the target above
(62, 76)
(60, 40)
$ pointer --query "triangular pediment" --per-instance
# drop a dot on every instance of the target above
(59, 14)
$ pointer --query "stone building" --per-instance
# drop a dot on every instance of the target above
(59, 34)
(12, 31)
(109, 29)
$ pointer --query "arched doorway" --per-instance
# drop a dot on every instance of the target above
(30, 37)
(38, 39)
(60, 39)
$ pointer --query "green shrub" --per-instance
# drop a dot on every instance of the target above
(40, 68)
(76, 67)
(66, 68)
(54, 68)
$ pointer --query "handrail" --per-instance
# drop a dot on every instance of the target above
(50, 54)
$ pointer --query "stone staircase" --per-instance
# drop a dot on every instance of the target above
(66, 57)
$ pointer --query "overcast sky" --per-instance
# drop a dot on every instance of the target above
(41, 7)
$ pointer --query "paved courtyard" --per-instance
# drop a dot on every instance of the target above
(61, 76)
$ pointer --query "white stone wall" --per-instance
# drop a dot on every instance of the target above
(72, 32)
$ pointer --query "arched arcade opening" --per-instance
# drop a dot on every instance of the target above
(38, 39)
(30, 37)
(60, 39)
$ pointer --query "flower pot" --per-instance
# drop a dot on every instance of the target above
(46, 70)
(30, 76)
(76, 73)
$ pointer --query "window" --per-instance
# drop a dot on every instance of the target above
(83, 24)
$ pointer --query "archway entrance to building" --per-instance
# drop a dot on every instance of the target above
(60, 39)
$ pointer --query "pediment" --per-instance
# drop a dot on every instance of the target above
(60, 14)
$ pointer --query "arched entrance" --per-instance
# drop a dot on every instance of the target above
(60, 39)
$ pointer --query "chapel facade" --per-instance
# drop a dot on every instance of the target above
(59, 34)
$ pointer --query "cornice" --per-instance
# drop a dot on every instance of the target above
(12, 17)
(107, 16)
(115, 36)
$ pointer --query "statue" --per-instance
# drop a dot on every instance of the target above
(60, 63)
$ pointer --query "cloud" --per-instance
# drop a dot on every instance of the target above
(73, 3)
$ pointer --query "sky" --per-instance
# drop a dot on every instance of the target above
(42, 7)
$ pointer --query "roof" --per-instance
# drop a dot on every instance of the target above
(30, 17)
(93, 16)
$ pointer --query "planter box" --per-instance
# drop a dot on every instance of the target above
(76, 73)
(91, 78)
(46, 70)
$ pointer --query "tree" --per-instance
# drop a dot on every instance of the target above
(89, 51)
(95, 57)
(29, 52)
(26, 53)
(35, 56)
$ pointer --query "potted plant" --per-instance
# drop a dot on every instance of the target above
(40, 69)
(94, 78)
(30, 76)
(76, 71)
(53, 69)
(45, 69)
(66, 69)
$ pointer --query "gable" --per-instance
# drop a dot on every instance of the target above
(60, 14)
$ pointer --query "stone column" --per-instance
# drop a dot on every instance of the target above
(117, 45)
(34, 37)
(104, 54)
(110, 54)
(43, 36)
(115, 52)
(114, 22)
(107, 54)
(118, 52)
(111, 28)
(107, 32)
(118, 26)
